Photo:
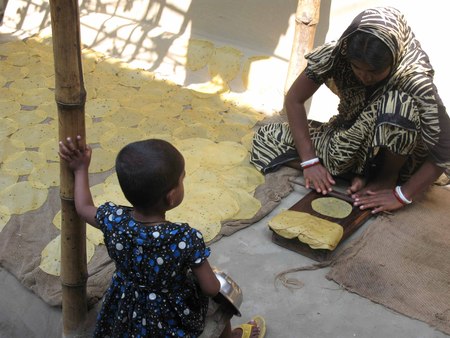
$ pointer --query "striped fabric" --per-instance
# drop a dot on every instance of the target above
(403, 114)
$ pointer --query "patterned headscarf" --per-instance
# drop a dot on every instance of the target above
(411, 73)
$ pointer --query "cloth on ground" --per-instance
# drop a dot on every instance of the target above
(25, 236)
(402, 261)
(21, 244)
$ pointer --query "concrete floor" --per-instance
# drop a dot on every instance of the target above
(319, 309)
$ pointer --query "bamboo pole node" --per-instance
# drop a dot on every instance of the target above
(66, 198)
(75, 285)
(70, 106)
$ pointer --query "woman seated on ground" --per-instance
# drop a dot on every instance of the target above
(392, 133)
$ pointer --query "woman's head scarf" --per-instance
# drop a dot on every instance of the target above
(411, 72)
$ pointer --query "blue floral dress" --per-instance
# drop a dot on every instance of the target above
(152, 293)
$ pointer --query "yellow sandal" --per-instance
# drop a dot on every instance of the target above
(247, 328)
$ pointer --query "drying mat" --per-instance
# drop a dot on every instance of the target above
(21, 244)
(402, 261)
(25, 236)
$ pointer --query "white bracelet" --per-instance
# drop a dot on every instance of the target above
(398, 190)
(310, 162)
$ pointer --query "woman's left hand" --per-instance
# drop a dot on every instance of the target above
(378, 201)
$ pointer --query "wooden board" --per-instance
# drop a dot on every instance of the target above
(350, 224)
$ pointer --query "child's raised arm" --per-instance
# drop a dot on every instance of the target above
(78, 157)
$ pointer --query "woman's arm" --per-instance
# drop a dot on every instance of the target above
(208, 281)
(301, 90)
(385, 200)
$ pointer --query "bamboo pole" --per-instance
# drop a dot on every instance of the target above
(306, 20)
(70, 97)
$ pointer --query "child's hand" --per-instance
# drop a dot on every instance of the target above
(77, 156)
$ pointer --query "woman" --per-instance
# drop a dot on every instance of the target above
(392, 133)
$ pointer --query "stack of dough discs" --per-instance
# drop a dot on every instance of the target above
(318, 233)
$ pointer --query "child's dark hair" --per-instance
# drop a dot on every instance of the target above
(147, 170)
(369, 49)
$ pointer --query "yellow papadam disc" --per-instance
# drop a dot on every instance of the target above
(9, 147)
(22, 197)
(166, 110)
(225, 154)
(4, 219)
(230, 132)
(198, 54)
(98, 130)
(7, 127)
(207, 89)
(193, 130)
(247, 140)
(318, 233)
(102, 107)
(194, 148)
(126, 117)
(159, 125)
(12, 47)
(12, 73)
(36, 97)
(102, 160)
(51, 256)
(50, 109)
(9, 94)
(206, 116)
(208, 224)
(238, 116)
(26, 118)
(113, 89)
(22, 59)
(50, 149)
(44, 68)
(156, 89)
(7, 179)
(23, 162)
(119, 138)
(9, 109)
(33, 136)
(134, 77)
(248, 205)
(32, 82)
(246, 178)
(332, 207)
(225, 62)
(45, 177)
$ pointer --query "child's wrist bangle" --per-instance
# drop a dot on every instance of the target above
(400, 197)
(310, 163)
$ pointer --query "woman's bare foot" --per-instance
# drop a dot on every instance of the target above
(238, 332)
(360, 187)
(386, 178)
(358, 183)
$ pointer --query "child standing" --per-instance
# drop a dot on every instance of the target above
(151, 293)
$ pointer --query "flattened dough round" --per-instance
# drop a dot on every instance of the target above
(332, 207)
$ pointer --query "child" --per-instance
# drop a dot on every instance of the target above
(151, 292)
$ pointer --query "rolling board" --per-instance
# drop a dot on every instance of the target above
(350, 224)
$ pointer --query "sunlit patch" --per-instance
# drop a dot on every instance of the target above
(210, 125)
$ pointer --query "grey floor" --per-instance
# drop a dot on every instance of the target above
(320, 308)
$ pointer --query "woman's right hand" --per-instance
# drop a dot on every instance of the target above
(317, 177)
